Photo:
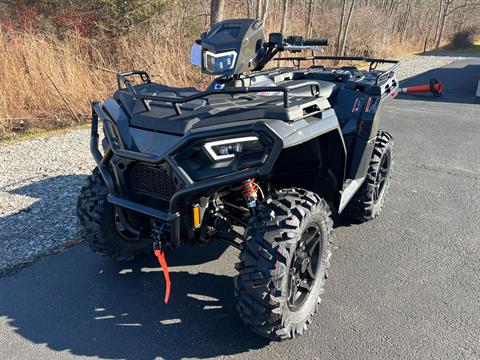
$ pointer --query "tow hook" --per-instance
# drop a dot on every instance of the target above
(159, 251)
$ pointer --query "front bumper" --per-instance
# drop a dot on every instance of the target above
(190, 189)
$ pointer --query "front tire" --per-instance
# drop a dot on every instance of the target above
(284, 263)
(97, 226)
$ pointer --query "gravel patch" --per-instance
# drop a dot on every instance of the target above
(420, 63)
(40, 180)
(39, 184)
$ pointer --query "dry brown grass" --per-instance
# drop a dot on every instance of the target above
(50, 83)
(37, 71)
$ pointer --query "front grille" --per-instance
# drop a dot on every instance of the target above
(152, 180)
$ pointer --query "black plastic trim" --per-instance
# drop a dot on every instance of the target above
(191, 188)
(156, 213)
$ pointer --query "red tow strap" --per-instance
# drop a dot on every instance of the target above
(163, 264)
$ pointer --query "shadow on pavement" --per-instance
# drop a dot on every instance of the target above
(48, 222)
(86, 305)
(91, 306)
(459, 79)
(43, 216)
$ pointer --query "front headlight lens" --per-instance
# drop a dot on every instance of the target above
(216, 156)
(228, 148)
(219, 63)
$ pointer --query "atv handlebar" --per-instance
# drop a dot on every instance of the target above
(277, 42)
(293, 48)
(315, 42)
(297, 43)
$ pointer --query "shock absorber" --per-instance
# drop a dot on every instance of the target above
(249, 192)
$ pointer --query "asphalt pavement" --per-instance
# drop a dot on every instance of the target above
(404, 286)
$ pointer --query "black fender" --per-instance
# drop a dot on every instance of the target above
(313, 156)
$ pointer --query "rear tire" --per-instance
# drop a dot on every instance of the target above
(96, 223)
(368, 201)
(277, 291)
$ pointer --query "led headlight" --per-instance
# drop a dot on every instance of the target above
(219, 63)
(228, 148)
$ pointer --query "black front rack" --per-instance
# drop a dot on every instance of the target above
(373, 62)
(123, 80)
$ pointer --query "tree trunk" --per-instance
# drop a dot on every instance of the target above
(275, 14)
(284, 16)
(264, 10)
(340, 28)
(216, 11)
(464, 18)
(310, 18)
(442, 23)
(259, 9)
(437, 25)
(407, 18)
(347, 24)
(392, 8)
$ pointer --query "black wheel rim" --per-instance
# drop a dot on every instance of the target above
(304, 267)
(382, 177)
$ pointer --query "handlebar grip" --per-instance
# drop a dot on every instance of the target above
(315, 42)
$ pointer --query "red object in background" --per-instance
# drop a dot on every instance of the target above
(435, 88)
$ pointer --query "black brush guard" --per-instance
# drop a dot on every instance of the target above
(172, 216)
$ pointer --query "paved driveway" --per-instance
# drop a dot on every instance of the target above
(404, 286)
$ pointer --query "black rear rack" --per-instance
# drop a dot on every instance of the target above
(373, 62)
(122, 78)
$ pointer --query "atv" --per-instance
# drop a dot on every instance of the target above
(260, 160)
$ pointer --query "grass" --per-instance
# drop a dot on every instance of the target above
(474, 50)
(36, 133)
(49, 83)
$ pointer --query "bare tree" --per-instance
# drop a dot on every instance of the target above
(393, 6)
(262, 8)
(263, 14)
(284, 16)
(406, 19)
(340, 28)
(259, 9)
(310, 18)
(447, 11)
(342, 39)
(249, 8)
(442, 22)
(439, 17)
(216, 11)
(347, 25)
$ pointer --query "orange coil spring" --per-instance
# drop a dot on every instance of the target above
(249, 188)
